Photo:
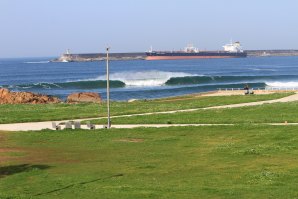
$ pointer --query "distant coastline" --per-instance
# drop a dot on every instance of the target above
(89, 57)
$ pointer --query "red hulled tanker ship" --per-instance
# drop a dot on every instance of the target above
(231, 50)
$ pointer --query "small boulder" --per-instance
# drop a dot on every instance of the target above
(84, 97)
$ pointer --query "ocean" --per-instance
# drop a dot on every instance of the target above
(147, 79)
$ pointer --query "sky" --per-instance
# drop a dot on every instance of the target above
(43, 28)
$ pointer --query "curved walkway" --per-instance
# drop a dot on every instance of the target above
(34, 126)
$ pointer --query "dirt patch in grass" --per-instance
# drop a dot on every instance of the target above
(2, 138)
(5, 155)
(8, 150)
(4, 159)
(11, 154)
(35, 156)
(43, 155)
(133, 140)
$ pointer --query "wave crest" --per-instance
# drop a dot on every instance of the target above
(145, 78)
(155, 78)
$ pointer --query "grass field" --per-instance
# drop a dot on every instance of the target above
(267, 113)
(182, 162)
(241, 161)
(34, 113)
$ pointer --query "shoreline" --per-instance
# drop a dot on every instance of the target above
(214, 93)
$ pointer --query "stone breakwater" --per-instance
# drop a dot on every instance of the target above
(99, 57)
(141, 55)
(273, 53)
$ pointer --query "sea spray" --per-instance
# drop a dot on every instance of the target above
(145, 78)
(290, 84)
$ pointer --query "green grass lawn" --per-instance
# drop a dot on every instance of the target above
(267, 113)
(181, 162)
(31, 113)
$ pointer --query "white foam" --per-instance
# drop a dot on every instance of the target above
(283, 84)
(145, 78)
(262, 69)
(37, 62)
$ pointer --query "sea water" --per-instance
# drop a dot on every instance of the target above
(147, 79)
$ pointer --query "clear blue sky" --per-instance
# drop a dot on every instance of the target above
(32, 28)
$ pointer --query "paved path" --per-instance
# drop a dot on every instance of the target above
(34, 126)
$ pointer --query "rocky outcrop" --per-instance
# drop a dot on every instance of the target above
(8, 97)
(84, 97)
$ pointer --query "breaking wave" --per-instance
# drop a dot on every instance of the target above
(145, 78)
(155, 78)
(291, 84)
(223, 79)
(160, 78)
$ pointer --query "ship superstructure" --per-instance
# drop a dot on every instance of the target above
(233, 47)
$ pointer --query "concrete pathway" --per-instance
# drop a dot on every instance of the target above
(35, 126)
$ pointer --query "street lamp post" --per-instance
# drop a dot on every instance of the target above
(108, 89)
